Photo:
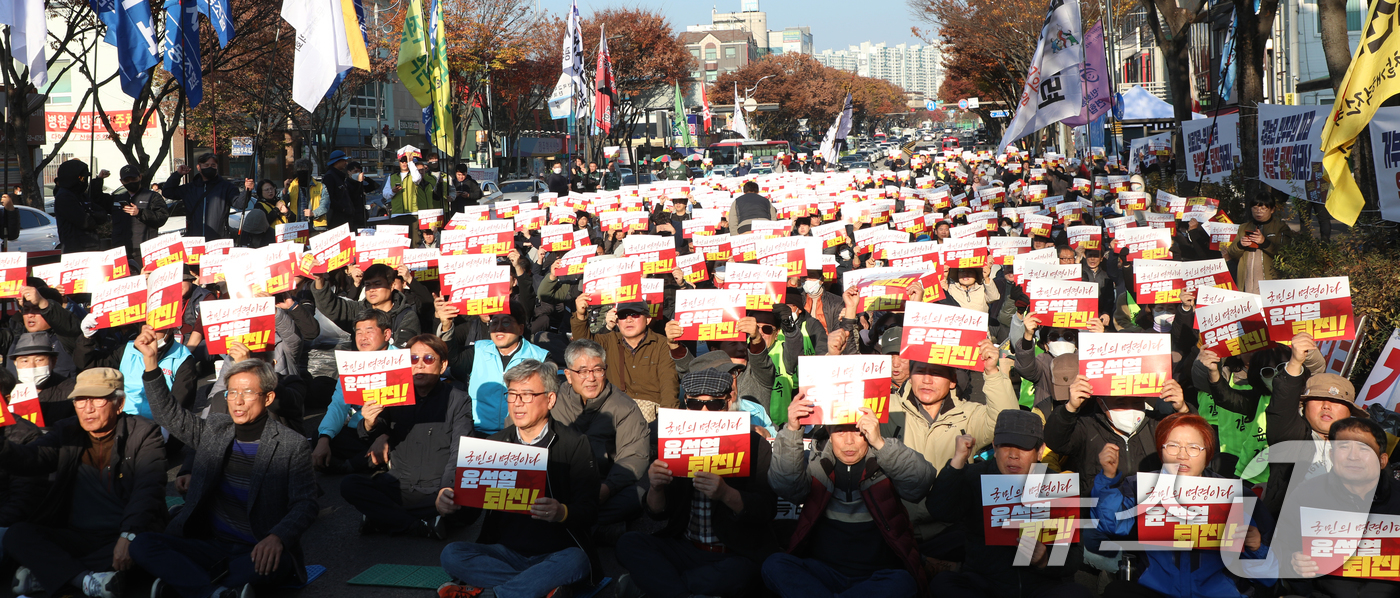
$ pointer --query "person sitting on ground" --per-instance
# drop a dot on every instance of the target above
(854, 536)
(640, 361)
(107, 486)
(533, 556)
(338, 444)
(252, 494)
(718, 529)
(419, 440)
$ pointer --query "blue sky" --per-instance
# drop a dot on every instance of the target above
(835, 24)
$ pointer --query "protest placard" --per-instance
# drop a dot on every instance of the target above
(248, 321)
(287, 232)
(765, 286)
(1351, 544)
(690, 442)
(1206, 273)
(692, 267)
(499, 476)
(1125, 364)
(1048, 509)
(380, 249)
(615, 280)
(478, 291)
(383, 377)
(1320, 307)
(841, 385)
(423, 263)
(1063, 303)
(795, 255)
(1187, 511)
(657, 253)
(14, 269)
(120, 302)
(1232, 328)
(710, 315)
(331, 250)
(1157, 281)
(162, 250)
(165, 297)
(943, 335)
(1143, 243)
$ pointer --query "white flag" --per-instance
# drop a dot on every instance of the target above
(560, 100)
(739, 126)
(838, 131)
(28, 36)
(573, 49)
(1053, 90)
(322, 50)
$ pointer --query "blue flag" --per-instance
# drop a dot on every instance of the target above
(131, 29)
(217, 11)
(182, 47)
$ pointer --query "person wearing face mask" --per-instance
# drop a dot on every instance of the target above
(1186, 444)
(557, 181)
(78, 214)
(207, 196)
(1037, 368)
(346, 192)
(137, 212)
(309, 197)
(272, 206)
(411, 188)
(1079, 429)
(821, 304)
(34, 358)
(971, 287)
(1258, 243)
(956, 497)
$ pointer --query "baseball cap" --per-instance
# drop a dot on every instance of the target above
(96, 382)
(708, 382)
(1063, 370)
(1021, 429)
(714, 360)
(1333, 387)
(636, 306)
(33, 343)
(890, 341)
(130, 171)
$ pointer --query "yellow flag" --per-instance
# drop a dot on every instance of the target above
(359, 56)
(442, 88)
(1371, 79)
(413, 55)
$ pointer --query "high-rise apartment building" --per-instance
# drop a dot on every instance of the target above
(915, 68)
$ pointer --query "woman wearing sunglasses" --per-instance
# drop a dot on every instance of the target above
(1186, 444)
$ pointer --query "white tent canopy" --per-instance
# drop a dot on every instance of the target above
(1140, 104)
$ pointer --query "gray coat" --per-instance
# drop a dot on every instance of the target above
(282, 497)
(791, 472)
(616, 430)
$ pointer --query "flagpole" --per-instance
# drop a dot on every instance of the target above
(92, 125)
(262, 117)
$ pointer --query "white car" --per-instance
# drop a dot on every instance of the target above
(525, 190)
(37, 231)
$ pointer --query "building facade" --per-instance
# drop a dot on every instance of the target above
(717, 52)
(753, 21)
(914, 68)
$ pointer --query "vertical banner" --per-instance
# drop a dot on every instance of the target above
(1232, 328)
(1290, 143)
(165, 297)
(1385, 150)
(1320, 307)
(1048, 508)
(1126, 364)
(1381, 386)
(1187, 512)
(499, 476)
(383, 377)
(715, 442)
(943, 335)
(710, 315)
(248, 321)
(841, 385)
(119, 302)
(614, 280)
(1063, 303)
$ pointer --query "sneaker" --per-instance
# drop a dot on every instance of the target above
(438, 530)
(367, 528)
(157, 588)
(626, 588)
(25, 582)
(107, 584)
(247, 591)
(453, 589)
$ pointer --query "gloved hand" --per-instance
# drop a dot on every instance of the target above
(89, 325)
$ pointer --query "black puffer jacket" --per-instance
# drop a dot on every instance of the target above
(423, 436)
(20, 496)
(78, 217)
(342, 312)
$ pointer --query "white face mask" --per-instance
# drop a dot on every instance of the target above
(1058, 348)
(1162, 322)
(164, 340)
(1127, 420)
(812, 287)
(33, 376)
(558, 170)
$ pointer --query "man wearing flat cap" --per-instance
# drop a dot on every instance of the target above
(108, 485)
(956, 498)
(718, 530)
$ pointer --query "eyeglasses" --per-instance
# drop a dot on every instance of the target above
(1192, 450)
(711, 404)
(427, 358)
(522, 397)
(244, 395)
(589, 373)
(98, 402)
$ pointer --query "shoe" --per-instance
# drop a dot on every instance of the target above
(25, 582)
(247, 591)
(626, 588)
(458, 590)
(560, 592)
(367, 528)
(438, 530)
(107, 584)
(157, 588)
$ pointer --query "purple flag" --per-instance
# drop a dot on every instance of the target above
(1098, 96)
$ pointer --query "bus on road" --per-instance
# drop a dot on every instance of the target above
(730, 152)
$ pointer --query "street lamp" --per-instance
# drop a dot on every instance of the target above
(748, 92)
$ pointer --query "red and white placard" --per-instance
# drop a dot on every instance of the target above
(1320, 307)
(1003, 250)
(657, 253)
(1132, 200)
(1157, 281)
(14, 269)
(422, 262)
(614, 280)
(1232, 328)
(165, 298)
(715, 248)
(841, 385)
(1187, 511)
(912, 255)
(248, 321)
(332, 249)
(887, 288)
(429, 219)
(692, 267)
(1085, 237)
(1063, 303)
(1048, 508)
(380, 249)
(1143, 243)
(162, 250)
(690, 442)
(765, 286)
(1125, 364)
(796, 255)
(571, 263)
(287, 232)
(1351, 544)
(1207, 273)
(478, 291)
(710, 314)
(559, 237)
(383, 377)
(967, 252)
(1221, 232)
(120, 302)
(495, 237)
(499, 476)
(943, 335)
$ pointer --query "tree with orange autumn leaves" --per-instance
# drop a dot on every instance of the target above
(805, 88)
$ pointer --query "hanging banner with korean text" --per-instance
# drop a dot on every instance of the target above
(1290, 146)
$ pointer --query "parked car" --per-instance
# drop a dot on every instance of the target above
(642, 179)
(37, 231)
(520, 190)
(490, 192)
